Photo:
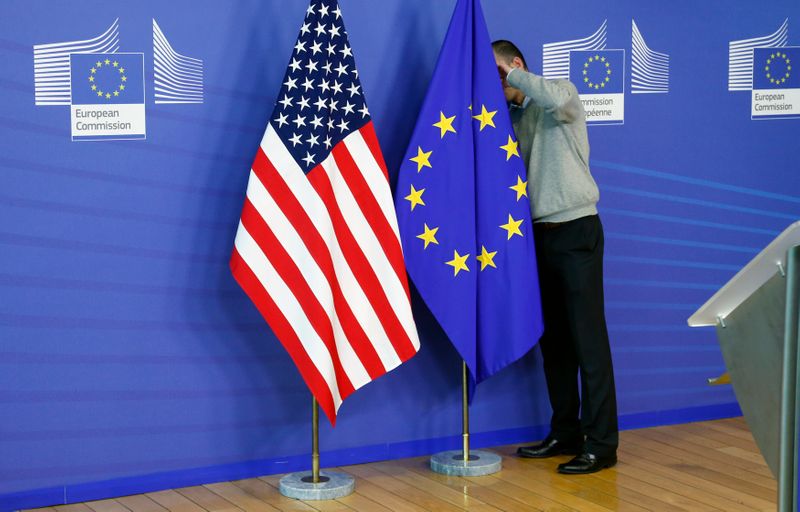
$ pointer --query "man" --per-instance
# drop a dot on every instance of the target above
(550, 124)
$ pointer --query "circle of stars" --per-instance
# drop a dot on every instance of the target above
(604, 78)
(424, 159)
(108, 64)
(776, 78)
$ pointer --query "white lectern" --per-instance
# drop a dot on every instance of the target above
(756, 318)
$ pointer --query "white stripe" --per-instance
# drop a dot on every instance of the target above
(371, 247)
(320, 287)
(182, 74)
(301, 188)
(376, 180)
(287, 303)
(374, 176)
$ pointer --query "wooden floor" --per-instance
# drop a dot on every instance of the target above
(710, 466)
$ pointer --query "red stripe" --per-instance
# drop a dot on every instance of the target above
(372, 212)
(371, 138)
(294, 212)
(283, 330)
(290, 273)
(365, 276)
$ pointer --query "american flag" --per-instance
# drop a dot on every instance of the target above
(317, 249)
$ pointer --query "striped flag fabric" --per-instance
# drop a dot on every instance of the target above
(317, 249)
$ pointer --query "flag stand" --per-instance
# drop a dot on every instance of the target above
(316, 485)
(466, 462)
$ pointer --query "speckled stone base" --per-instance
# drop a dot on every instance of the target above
(480, 463)
(338, 485)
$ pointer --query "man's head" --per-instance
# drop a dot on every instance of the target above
(507, 56)
(507, 53)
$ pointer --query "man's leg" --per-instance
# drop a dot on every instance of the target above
(587, 328)
(558, 353)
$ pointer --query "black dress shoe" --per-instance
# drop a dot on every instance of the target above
(586, 463)
(550, 447)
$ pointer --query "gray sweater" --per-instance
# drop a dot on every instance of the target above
(551, 130)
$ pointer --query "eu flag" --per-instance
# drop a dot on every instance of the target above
(463, 210)
(107, 78)
(597, 71)
(772, 68)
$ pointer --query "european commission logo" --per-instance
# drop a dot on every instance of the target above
(599, 72)
(776, 83)
(766, 66)
(599, 77)
(107, 96)
(105, 88)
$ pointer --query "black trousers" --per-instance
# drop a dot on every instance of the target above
(575, 339)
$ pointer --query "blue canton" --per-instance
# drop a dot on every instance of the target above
(321, 101)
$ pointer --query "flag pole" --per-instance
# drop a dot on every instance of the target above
(314, 440)
(465, 462)
(316, 485)
(465, 409)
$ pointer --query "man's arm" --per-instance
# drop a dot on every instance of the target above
(558, 98)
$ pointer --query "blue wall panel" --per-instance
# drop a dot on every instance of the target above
(129, 358)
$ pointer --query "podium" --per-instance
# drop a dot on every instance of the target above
(756, 320)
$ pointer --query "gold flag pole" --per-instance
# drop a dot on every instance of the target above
(314, 441)
(464, 462)
(465, 408)
(316, 486)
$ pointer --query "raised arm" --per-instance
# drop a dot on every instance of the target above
(560, 98)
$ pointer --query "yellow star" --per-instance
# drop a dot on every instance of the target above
(486, 118)
(91, 79)
(98, 64)
(116, 93)
(458, 263)
(512, 227)
(429, 236)
(602, 59)
(121, 87)
(99, 93)
(93, 70)
(422, 159)
(116, 64)
(121, 70)
(94, 87)
(511, 148)
(107, 61)
(124, 78)
(415, 197)
(108, 95)
(486, 258)
(608, 65)
(521, 188)
(445, 124)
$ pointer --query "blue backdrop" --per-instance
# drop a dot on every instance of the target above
(131, 361)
